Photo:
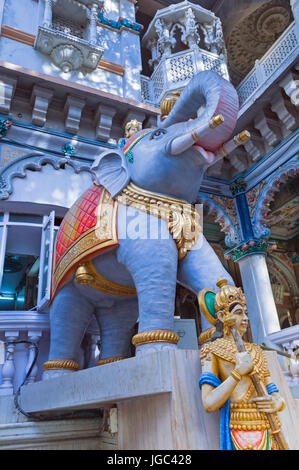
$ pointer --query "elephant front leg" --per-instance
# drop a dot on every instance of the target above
(201, 269)
(153, 266)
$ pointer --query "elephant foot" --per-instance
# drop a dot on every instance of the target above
(154, 347)
(155, 340)
(55, 367)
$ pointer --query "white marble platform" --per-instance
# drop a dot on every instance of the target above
(158, 400)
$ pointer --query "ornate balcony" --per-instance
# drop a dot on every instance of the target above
(268, 69)
(174, 73)
(70, 42)
(183, 39)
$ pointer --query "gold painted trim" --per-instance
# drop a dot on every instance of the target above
(87, 275)
(109, 360)
(205, 336)
(67, 364)
(182, 218)
(155, 336)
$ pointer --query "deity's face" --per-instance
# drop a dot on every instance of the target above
(239, 314)
(237, 317)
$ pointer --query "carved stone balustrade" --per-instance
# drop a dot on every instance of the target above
(270, 67)
(287, 339)
(33, 327)
(183, 39)
(174, 73)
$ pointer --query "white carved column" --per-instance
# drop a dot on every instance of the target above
(8, 369)
(33, 336)
(259, 296)
(48, 14)
(93, 23)
(295, 10)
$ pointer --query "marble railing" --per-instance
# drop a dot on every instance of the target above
(270, 67)
(174, 72)
(287, 339)
(18, 330)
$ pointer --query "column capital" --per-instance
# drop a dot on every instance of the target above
(238, 186)
(254, 246)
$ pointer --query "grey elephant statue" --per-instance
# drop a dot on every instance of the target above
(130, 238)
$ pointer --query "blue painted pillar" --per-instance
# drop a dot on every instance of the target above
(250, 255)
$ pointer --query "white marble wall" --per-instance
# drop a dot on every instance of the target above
(118, 47)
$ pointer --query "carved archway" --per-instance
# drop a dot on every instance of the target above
(260, 202)
(36, 162)
(224, 211)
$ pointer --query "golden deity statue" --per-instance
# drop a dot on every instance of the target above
(235, 376)
(131, 128)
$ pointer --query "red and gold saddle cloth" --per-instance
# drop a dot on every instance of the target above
(88, 228)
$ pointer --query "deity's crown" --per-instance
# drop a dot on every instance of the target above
(228, 295)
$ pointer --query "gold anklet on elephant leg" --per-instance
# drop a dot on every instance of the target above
(108, 360)
(67, 364)
(155, 336)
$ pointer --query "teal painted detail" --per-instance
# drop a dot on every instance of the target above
(68, 150)
(250, 247)
(130, 156)
(5, 124)
(119, 23)
(210, 303)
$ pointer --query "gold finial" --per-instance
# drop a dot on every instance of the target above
(217, 120)
(221, 282)
(244, 136)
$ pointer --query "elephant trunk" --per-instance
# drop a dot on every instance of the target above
(217, 96)
(185, 141)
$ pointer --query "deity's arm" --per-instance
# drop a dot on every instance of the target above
(272, 402)
(214, 398)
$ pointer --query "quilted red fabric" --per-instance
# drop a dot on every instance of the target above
(80, 218)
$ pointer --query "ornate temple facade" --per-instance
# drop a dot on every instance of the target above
(73, 73)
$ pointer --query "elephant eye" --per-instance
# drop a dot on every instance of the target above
(158, 133)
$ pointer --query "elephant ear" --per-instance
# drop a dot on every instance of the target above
(112, 171)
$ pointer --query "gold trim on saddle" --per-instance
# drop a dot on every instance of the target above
(182, 218)
(87, 275)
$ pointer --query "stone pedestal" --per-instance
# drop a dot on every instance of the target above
(157, 397)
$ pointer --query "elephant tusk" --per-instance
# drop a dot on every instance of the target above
(232, 144)
(183, 142)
